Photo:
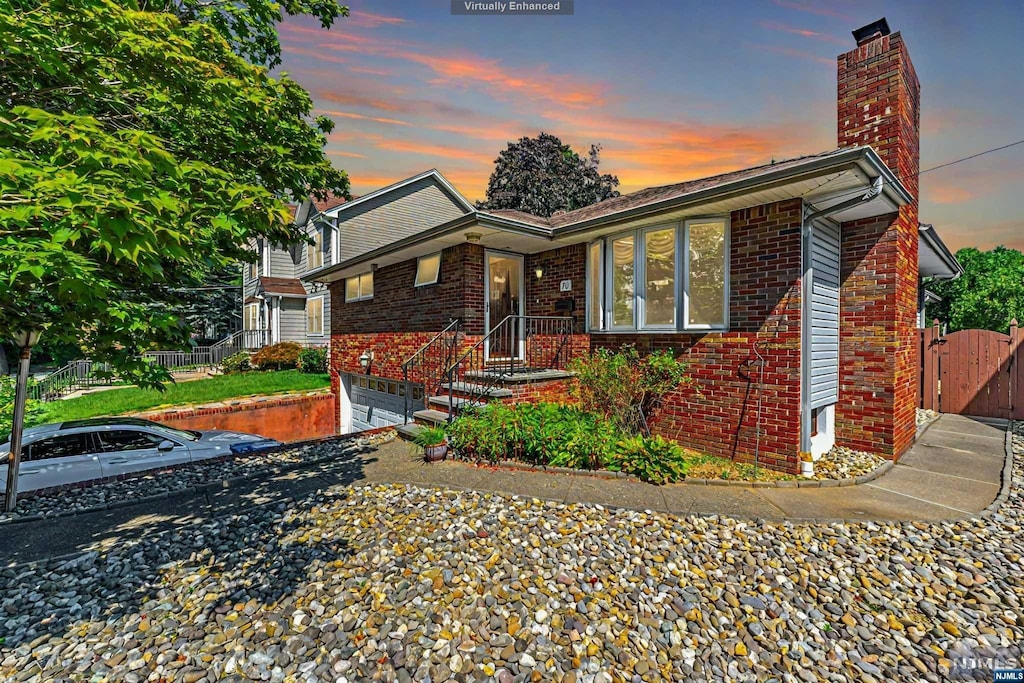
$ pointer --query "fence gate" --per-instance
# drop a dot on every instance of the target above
(973, 372)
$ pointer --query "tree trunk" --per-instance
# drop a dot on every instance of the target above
(4, 370)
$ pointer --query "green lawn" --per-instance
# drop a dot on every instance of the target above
(133, 400)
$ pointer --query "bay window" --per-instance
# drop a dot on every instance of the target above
(671, 277)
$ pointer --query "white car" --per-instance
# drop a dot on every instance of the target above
(81, 450)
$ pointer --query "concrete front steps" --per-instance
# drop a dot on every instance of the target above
(459, 395)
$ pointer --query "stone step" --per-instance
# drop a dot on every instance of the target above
(477, 390)
(429, 416)
(456, 402)
(517, 376)
(409, 431)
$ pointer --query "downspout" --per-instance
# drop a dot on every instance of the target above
(806, 295)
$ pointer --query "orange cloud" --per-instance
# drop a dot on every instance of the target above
(351, 99)
(360, 117)
(441, 151)
(806, 33)
(983, 234)
(467, 70)
(790, 52)
(819, 8)
(947, 194)
(315, 54)
(350, 155)
(371, 71)
(368, 20)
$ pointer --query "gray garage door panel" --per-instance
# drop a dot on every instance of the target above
(377, 403)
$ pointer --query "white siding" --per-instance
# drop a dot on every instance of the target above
(825, 316)
(293, 320)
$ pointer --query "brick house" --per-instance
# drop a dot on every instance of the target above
(795, 282)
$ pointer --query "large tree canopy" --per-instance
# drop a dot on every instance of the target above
(988, 295)
(139, 152)
(541, 176)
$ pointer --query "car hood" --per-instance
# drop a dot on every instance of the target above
(222, 436)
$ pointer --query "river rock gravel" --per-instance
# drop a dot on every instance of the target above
(846, 463)
(187, 476)
(399, 583)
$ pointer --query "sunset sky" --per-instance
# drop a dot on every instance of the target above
(671, 90)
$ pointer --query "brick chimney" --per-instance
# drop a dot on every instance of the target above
(879, 100)
(879, 106)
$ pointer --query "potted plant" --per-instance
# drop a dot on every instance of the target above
(432, 440)
(806, 465)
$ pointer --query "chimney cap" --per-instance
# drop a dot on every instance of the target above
(869, 32)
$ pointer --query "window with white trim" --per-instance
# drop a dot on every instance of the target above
(427, 269)
(315, 316)
(315, 251)
(666, 277)
(359, 287)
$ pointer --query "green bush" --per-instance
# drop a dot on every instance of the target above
(34, 410)
(313, 359)
(542, 433)
(624, 387)
(281, 356)
(429, 436)
(651, 458)
(239, 362)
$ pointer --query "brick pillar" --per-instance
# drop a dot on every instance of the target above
(879, 105)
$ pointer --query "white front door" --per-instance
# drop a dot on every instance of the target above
(504, 278)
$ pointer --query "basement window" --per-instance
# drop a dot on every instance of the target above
(359, 287)
(670, 277)
(427, 269)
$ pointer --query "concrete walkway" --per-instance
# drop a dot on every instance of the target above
(954, 470)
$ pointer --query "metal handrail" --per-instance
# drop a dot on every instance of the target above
(433, 359)
(525, 337)
(75, 375)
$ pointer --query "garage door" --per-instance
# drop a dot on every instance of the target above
(379, 402)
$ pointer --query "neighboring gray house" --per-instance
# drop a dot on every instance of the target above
(278, 304)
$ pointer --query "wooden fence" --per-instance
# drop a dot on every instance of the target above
(973, 372)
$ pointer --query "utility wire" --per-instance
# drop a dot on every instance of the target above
(919, 173)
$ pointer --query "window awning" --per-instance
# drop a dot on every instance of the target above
(282, 286)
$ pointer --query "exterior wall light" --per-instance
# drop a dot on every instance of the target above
(539, 272)
(473, 237)
(365, 359)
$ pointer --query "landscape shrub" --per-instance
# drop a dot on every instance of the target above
(313, 359)
(541, 433)
(651, 458)
(624, 387)
(34, 410)
(281, 356)
(239, 362)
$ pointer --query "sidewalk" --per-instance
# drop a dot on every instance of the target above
(953, 471)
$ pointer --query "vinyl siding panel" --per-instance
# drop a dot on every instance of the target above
(824, 352)
(391, 217)
(281, 263)
(293, 320)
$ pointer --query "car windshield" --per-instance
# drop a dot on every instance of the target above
(186, 434)
(173, 433)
